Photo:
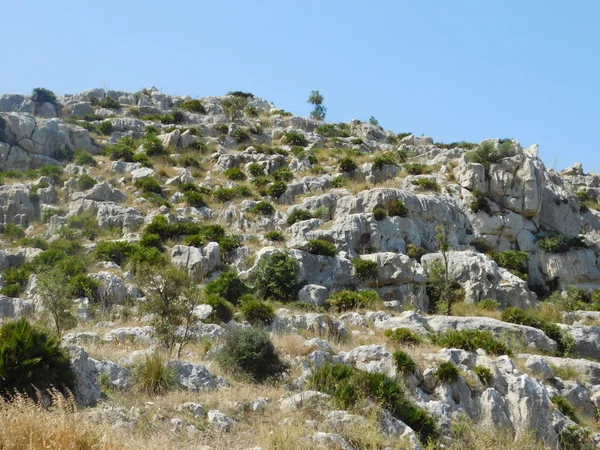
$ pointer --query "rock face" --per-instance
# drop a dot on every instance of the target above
(199, 262)
(87, 392)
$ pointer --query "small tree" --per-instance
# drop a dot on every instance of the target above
(56, 293)
(373, 121)
(276, 277)
(171, 298)
(233, 107)
(439, 284)
(319, 111)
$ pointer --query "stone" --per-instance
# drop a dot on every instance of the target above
(194, 377)
(199, 262)
(142, 172)
(313, 294)
(15, 307)
(116, 376)
(219, 421)
(539, 367)
(195, 409)
(302, 399)
(87, 391)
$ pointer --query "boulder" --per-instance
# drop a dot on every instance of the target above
(15, 205)
(87, 391)
(199, 262)
(303, 399)
(313, 294)
(194, 377)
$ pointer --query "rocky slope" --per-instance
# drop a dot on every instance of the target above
(486, 200)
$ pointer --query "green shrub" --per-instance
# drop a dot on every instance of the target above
(404, 362)
(32, 361)
(241, 135)
(397, 208)
(277, 189)
(222, 309)
(241, 94)
(298, 215)
(346, 300)
(349, 386)
(251, 111)
(365, 269)
(484, 374)
(276, 236)
(471, 340)
(85, 182)
(15, 280)
(153, 375)
(379, 213)
(384, 159)
(106, 102)
(557, 243)
(565, 406)
(514, 261)
(563, 339)
(83, 158)
(153, 146)
(105, 127)
(347, 165)
(249, 351)
(189, 161)
(447, 372)
(151, 240)
(257, 312)
(229, 286)
(51, 171)
(227, 194)
(256, 170)
(321, 247)
(487, 154)
(84, 224)
(235, 174)
(193, 106)
(339, 181)
(123, 150)
(265, 208)
(43, 95)
(293, 138)
(414, 168)
(479, 203)
(194, 199)
(276, 277)
(148, 184)
(415, 252)
(489, 304)
(404, 336)
(12, 231)
(233, 107)
(427, 184)
(283, 174)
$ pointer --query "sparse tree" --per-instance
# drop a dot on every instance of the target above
(170, 298)
(439, 285)
(319, 111)
(233, 107)
(56, 293)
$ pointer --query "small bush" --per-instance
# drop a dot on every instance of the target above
(339, 182)
(154, 375)
(257, 312)
(397, 208)
(557, 243)
(153, 146)
(415, 252)
(194, 199)
(489, 304)
(471, 340)
(565, 406)
(365, 269)
(256, 170)
(277, 189)
(229, 286)
(487, 154)
(349, 386)
(321, 247)
(427, 184)
(83, 158)
(276, 277)
(265, 208)
(222, 309)
(404, 336)
(12, 231)
(227, 194)
(51, 171)
(484, 374)
(347, 165)
(276, 236)
(479, 203)
(346, 300)
(115, 251)
(379, 213)
(384, 159)
(105, 127)
(298, 215)
(193, 106)
(249, 351)
(32, 361)
(512, 260)
(241, 135)
(85, 182)
(235, 174)
(447, 372)
(404, 362)
(43, 95)
(148, 184)
(283, 174)
(293, 138)
(414, 169)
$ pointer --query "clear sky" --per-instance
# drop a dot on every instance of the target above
(453, 70)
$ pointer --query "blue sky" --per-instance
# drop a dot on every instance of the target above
(460, 70)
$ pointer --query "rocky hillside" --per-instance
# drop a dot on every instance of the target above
(464, 273)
